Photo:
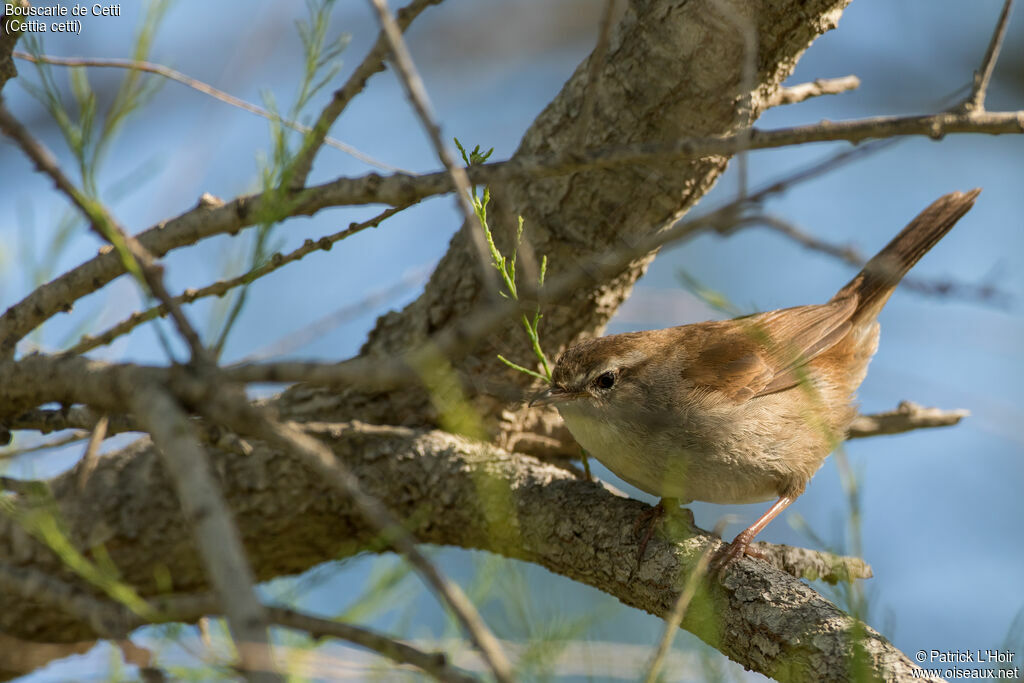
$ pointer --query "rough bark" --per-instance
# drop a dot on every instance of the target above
(451, 492)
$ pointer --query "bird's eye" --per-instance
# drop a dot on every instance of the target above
(605, 380)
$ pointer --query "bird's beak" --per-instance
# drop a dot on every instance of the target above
(553, 394)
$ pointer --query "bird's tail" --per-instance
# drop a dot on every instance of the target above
(875, 283)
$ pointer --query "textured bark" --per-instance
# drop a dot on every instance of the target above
(451, 492)
(672, 69)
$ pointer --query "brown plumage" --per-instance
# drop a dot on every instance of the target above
(741, 410)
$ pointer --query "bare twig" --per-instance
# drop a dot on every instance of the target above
(20, 486)
(674, 618)
(816, 88)
(982, 292)
(844, 252)
(371, 64)
(976, 101)
(373, 300)
(80, 418)
(190, 607)
(435, 664)
(417, 94)
(221, 287)
(135, 256)
(907, 417)
(221, 548)
(206, 89)
(88, 462)
(74, 437)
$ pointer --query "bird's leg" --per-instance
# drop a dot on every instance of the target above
(738, 547)
(650, 519)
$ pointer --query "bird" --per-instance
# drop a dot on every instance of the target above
(736, 411)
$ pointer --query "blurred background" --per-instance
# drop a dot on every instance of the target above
(937, 513)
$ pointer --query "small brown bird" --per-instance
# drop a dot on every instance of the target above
(743, 410)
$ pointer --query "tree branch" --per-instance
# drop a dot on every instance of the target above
(816, 88)
(976, 101)
(908, 416)
(762, 618)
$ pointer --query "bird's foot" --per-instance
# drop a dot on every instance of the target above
(739, 547)
(648, 521)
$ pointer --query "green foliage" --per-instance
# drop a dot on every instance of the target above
(506, 266)
(320, 67)
(88, 132)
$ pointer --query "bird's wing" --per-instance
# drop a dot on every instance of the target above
(764, 353)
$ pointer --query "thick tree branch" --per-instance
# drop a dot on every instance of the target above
(451, 492)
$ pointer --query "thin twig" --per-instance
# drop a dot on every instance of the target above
(206, 89)
(22, 487)
(816, 88)
(88, 462)
(221, 287)
(907, 417)
(417, 94)
(80, 418)
(976, 101)
(435, 664)
(850, 255)
(205, 221)
(131, 251)
(674, 618)
(216, 535)
(317, 329)
(74, 437)
(371, 64)
(190, 607)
